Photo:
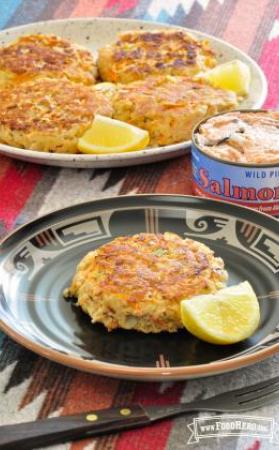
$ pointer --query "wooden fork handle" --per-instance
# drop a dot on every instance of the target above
(45, 432)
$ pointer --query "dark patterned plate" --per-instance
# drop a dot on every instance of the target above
(38, 260)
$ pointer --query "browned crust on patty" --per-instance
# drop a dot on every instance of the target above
(47, 55)
(137, 54)
(52, 113)
(168, 107)
(138, 281)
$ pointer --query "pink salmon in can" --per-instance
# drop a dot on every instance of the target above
(252, 185)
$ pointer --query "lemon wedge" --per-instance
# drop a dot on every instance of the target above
(233, 75)
(230, 315)
(108, 135)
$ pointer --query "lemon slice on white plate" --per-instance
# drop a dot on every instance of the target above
(233, 75)
(108, 135)
(228, 316)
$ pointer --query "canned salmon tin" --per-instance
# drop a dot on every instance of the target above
(255, 186)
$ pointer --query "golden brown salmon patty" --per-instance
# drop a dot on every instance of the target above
(47, 56)
(49, 114)
(138, 54)
(137, 282)
(169, 107)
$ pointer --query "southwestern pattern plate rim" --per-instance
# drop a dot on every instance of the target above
(37, 261)
(96, 32)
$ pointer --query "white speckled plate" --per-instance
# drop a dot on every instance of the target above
(94, 33)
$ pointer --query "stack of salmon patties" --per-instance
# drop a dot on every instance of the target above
(154, 72)
(51, 88)
(46, 96)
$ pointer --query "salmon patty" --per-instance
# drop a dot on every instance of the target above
(49, 114)
(137, 282)
(138, 54)
(47, 56)
(168, 107)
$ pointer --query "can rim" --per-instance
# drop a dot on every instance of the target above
(223, 161)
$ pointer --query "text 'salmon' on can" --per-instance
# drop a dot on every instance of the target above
(251, 185)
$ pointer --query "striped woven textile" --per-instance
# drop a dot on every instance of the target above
(32, 387)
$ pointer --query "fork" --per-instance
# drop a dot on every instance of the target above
(45, 432)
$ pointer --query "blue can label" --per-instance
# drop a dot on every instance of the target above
(257, 187)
